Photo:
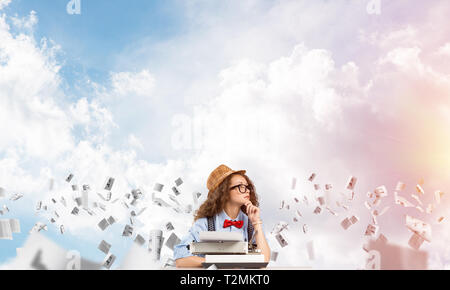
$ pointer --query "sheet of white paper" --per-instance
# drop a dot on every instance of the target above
(5, 230)
(310, 250)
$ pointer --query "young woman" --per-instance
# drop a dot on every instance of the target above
(233, 203)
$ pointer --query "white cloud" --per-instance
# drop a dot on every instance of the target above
(406, 36)
(27, 23)
(405, 58)
(445, 49)
(133, 141)
(96, 121)
(140, 84)
(30, 77)
(4, 3)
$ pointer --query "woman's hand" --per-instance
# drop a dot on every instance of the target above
(252, 212)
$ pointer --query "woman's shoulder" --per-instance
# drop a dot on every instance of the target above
(201, 223)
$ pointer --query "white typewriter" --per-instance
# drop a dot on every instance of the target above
(227, 250)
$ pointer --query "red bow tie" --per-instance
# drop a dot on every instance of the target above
(228, 223)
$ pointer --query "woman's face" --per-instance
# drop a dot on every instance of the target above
(237, 184)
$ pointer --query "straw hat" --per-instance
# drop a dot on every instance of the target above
(218, 175)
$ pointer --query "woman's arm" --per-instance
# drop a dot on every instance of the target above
(182, 255)
(189, 262)
(261, 242)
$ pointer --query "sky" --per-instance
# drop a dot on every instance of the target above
(150, 91)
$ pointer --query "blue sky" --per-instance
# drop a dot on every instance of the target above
(94, 43)
(92, 40)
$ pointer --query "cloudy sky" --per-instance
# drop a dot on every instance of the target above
(149, 91)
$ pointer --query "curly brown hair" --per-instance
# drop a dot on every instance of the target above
(217, 198)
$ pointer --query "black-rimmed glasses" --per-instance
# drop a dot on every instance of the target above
(242, 188)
